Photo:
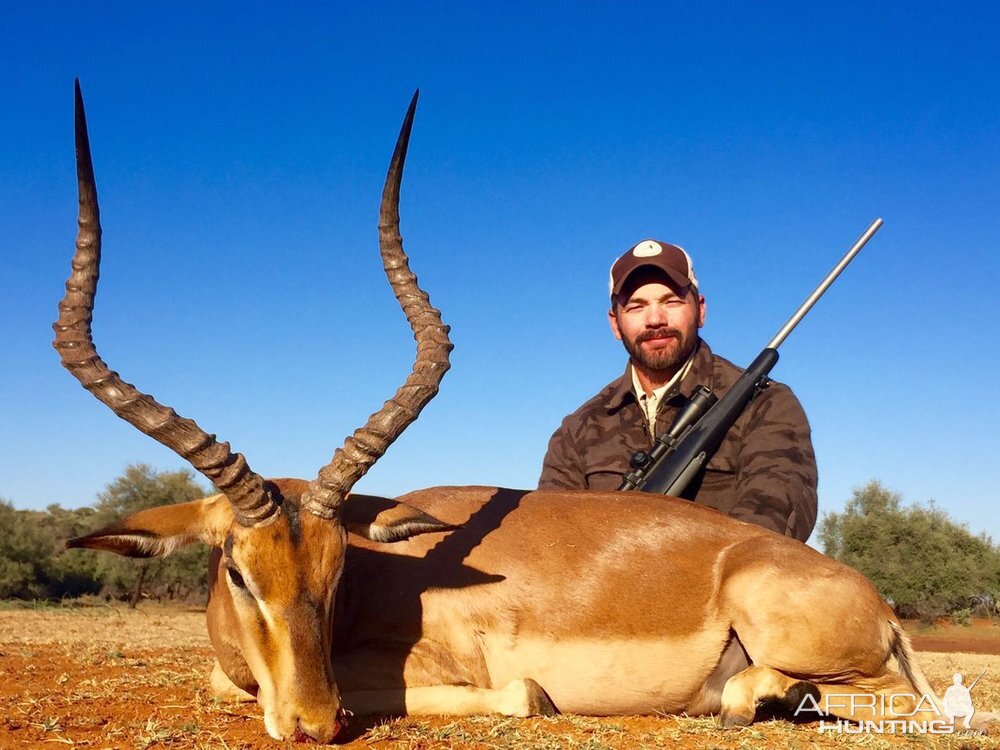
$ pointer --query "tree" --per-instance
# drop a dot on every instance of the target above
(917, 557)
(178, 576)
(21, 547)
(31, 563)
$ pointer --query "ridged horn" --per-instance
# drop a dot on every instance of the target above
(250, 498)
(360, 451)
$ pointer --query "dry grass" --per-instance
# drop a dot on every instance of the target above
(108, 678)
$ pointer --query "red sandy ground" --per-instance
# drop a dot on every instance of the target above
(982, 637)
(117, 679)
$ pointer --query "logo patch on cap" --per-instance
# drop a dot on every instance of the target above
(647, 249)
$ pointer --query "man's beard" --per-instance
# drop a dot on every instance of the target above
(677, 350)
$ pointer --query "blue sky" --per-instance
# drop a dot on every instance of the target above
(240, 150)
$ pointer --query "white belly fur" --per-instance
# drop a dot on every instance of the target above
(607, 676)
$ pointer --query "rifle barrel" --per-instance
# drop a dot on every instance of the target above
(806, 306)
(976, 681)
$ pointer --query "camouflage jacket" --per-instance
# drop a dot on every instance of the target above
(764, 472)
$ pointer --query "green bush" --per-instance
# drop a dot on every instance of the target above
(924, 563)
(962, 617)
(31, 566)
(34, 564)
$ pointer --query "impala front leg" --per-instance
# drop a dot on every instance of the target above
(523, 697)
(224, 689)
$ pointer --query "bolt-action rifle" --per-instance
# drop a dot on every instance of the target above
(697, 432)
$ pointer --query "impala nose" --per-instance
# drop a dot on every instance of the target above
(322, 733)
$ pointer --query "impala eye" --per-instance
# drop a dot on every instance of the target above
(236, 578)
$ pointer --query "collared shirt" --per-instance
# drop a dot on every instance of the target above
(650, 402)
(763, 472)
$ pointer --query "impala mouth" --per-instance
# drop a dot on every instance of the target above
(319, 735)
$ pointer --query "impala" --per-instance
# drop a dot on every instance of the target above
(463, 600)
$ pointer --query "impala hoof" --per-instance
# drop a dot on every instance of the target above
(731, 719)
(539, 703)
(522, 698)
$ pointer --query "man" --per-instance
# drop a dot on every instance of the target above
(765, 470)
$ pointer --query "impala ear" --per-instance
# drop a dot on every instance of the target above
(382, 520)
(157, 532)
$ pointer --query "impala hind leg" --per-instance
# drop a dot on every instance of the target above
(523, 697)
(708, 699)
(745, 691)
(224, 689)
(986, 721)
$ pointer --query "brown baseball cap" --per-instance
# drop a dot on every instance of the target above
(671, 259)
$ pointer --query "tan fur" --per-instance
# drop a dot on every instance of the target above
(518, 698)
(224, 689)
(610, 602)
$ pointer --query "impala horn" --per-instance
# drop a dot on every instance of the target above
(360, 451)
(252, 502)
